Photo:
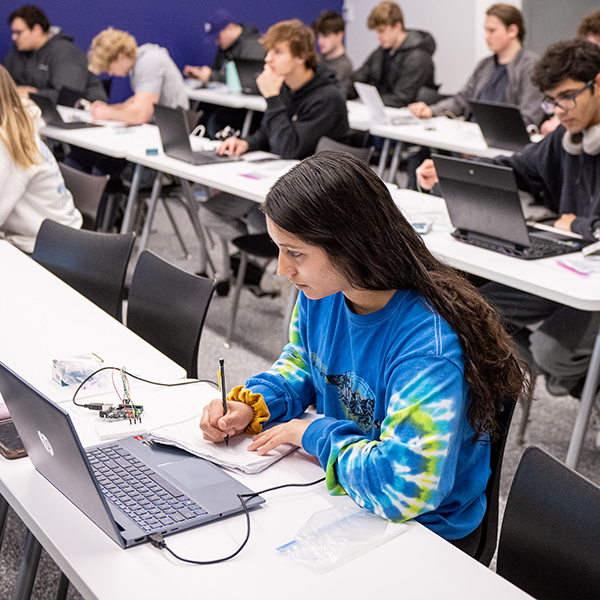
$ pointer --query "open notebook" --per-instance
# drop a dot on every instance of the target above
(186, 435)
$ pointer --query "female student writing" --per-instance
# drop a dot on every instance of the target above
(32, 186)
(401, 355)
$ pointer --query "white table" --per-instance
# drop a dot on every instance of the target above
(442, 133)
(541, 277)
(101, 570)
(42, 318)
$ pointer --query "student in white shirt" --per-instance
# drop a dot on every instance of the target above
(32, 187)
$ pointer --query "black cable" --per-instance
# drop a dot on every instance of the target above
(157, 540)
(98, 406)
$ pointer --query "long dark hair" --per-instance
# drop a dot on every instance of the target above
(335, 202)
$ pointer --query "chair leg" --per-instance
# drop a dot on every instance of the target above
(525, 409)
(191, 206)
(239, 282)
(156, 189)
(131, 199)
(28, 568)
(186, 254)
(63, 587)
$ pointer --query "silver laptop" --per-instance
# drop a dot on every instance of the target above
(371, 98)
(484, 205)
(130, 488)
(175, 135)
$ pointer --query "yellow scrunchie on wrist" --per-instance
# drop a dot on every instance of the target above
(256, 401)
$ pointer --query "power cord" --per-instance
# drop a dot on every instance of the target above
(157, 540)
(100, 405)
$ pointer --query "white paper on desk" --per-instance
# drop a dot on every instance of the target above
(269, 170)
(187, 436)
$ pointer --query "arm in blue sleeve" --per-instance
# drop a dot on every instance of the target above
(412, 467)
(287, 387)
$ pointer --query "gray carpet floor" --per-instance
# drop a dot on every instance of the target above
(257, 342)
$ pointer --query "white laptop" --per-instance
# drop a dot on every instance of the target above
(371, 98)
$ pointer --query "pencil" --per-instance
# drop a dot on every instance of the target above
(223, 391)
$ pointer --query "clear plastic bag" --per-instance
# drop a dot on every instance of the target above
(334, 536)
(75, 369)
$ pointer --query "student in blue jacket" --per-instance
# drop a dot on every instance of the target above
(402, 357)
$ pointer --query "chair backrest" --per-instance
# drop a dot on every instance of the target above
(87, 192)
(481, 543)
(489, 532)
(326, 143)
(167, 307)
(550, 540)
(93, 263)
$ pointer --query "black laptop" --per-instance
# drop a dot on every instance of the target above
(52, 116)
(175, 135)
(248, 71)
(484, 205)
(502, 125)
(130, 488)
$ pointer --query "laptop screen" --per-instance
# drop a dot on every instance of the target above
(482, 198)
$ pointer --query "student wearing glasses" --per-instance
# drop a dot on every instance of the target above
(564, 170)
(42, 61)
(399, 353)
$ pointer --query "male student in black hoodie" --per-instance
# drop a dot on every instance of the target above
(304, 103)
(402, 64)
(43, 63)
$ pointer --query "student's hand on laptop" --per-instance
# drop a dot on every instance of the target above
(421, 110)
(269, 83)
(286, 433)
(201, 73)
(215, 427)
(565, 221)
(426, 174)
(233, 147)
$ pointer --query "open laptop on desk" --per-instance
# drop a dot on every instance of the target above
(371, 97)
(165, 490)
(502, 125)
(484, 205)
(53, 118)
(248, 71)
(175, 135)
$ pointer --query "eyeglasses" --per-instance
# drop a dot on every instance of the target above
(568, 102)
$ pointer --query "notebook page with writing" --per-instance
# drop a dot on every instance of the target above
(186, 435)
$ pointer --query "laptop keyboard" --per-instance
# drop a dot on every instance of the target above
(546, 247)
(138, 491)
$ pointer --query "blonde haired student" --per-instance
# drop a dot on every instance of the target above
(32, 187)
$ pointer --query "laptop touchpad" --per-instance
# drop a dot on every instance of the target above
(194, 473)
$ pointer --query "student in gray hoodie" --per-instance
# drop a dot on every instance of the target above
(402, 64)
(43, 63)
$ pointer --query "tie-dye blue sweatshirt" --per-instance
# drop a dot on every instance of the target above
(390, 385)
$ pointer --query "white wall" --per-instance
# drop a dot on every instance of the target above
(456, 25)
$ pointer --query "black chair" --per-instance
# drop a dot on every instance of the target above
(93, 263)
(167, 307)
(550, 540)
(87, 191)
(262, 246)
(481, 543)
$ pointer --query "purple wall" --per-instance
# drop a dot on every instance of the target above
(176, 25)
